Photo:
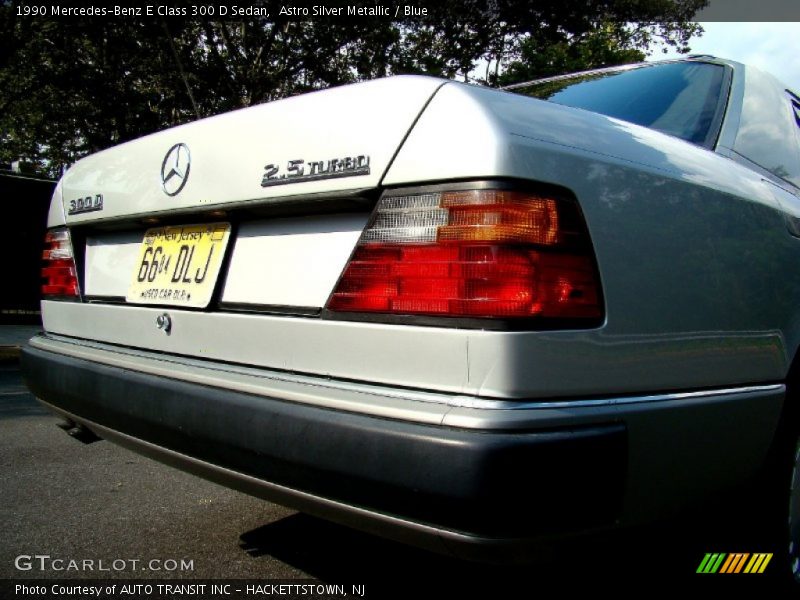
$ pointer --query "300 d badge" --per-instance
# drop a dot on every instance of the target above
(85, 205)
(300, 170)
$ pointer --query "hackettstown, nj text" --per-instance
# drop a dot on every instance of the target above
(189, 589)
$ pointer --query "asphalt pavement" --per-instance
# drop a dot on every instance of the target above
(101, 503)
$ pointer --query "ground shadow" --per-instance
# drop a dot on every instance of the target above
(665, 555)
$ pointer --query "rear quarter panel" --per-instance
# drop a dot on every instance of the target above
(697, 266)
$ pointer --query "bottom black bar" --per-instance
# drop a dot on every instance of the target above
(163, 589)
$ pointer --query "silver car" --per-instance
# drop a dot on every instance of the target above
(458, 317)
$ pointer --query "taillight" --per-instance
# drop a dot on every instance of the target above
(481, 253)
(59, 275)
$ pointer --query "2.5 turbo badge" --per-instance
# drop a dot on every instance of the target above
(299, 170)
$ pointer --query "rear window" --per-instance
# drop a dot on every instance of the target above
(681, 99)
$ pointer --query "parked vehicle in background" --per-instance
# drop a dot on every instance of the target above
(458, 317)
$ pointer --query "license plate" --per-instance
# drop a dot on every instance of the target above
(179, 266)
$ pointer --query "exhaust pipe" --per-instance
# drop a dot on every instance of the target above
(79, 432)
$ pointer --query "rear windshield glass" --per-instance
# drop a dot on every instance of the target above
(677, 98)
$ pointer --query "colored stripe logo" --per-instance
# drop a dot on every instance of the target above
(737, 562)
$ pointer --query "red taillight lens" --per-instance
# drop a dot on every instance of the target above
(474, 253)
(59, 275)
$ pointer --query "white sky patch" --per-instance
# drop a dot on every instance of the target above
(772, 47)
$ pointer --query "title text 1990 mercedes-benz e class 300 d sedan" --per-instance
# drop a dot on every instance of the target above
(455, 316)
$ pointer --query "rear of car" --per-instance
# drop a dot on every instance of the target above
(457, 317)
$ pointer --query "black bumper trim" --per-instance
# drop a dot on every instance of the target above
(498, 484)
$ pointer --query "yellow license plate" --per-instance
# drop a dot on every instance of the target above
(179, 266)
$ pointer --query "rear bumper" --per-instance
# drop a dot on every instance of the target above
(489, 476)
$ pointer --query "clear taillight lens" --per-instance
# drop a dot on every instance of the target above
(59, 275)
(474, 253)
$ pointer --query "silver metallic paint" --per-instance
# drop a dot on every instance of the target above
(692, 249)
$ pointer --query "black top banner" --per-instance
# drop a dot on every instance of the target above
(715, 10)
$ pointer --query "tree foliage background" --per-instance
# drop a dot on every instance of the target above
(73, 86)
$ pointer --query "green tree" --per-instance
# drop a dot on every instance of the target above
(72, 86)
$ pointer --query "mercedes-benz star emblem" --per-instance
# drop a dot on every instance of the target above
(175, 169)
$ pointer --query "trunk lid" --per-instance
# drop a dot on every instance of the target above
(325, 146)
(329, 141)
